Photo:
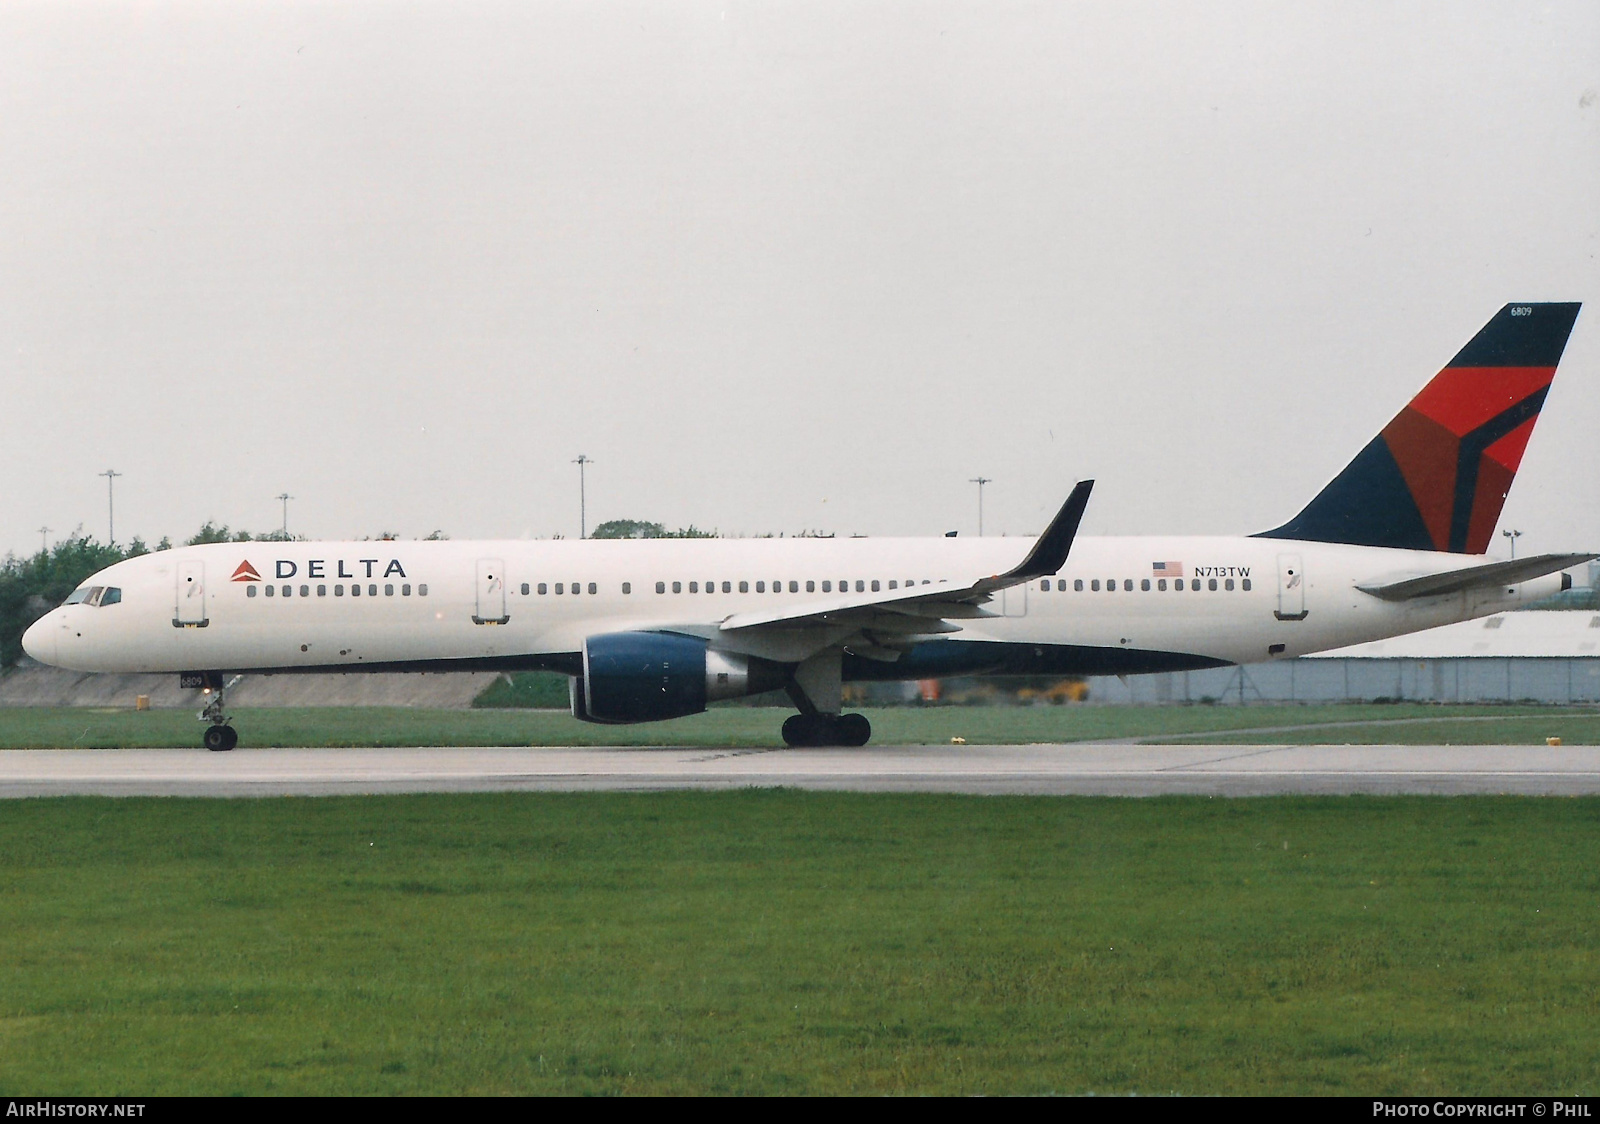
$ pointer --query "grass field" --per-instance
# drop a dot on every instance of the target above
(787, 942)
(31, 728)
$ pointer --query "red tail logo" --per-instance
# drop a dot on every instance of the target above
(1437, 476)
(246, 573)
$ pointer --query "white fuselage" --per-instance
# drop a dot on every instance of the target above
(480, 603)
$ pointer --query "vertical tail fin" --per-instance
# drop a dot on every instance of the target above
(1437, 476)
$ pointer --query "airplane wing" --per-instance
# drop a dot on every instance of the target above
(1475, 577)
(924, 610)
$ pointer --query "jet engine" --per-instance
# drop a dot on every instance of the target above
(649, 676)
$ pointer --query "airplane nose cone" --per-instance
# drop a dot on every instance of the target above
(40, 639)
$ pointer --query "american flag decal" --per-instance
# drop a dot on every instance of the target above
(1167, 569)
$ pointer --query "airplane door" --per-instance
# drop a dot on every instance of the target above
(1291, 588)
(1014, 601)
(491, 592)
(191, 607)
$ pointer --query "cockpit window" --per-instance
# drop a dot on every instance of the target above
(94, 595)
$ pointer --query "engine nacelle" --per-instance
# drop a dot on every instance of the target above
(649, 676)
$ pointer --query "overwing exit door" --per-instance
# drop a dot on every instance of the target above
(491, 592)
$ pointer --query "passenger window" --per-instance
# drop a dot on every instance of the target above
(794, 587)
(1245, 585)
(1044, 586)
(777, 587)
(422, 590)
(322, 590)
(288, 591)
(761, 587)
(577, 588)
(744, 587)
(811, 587)
(861, 586)
(250, 591)
(524, 589)
(627, 587)
(593, 587)
(677, 587)
(1144, 584)
(305, 591)
(1077, 585)
(893, 584)
(827, 587)
(544, 589)
(1127, 585)
(405, 590)
(1194, 584)
(874, 585)
(1228, 584)
(694, 587)
(561, 587)
(372, 590)
(711, 587)
(271, 590)
(1094, 585)
(388, 590)
(1212, 584)
(338, 591)
(1161, 584)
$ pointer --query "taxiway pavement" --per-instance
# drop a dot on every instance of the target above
(1109, 770)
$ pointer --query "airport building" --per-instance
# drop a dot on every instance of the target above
(1546, 656)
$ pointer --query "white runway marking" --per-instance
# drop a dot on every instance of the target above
(1118, 770)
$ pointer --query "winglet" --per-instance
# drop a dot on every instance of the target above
(1049, 553)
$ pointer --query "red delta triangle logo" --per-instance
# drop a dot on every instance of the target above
(246, 573)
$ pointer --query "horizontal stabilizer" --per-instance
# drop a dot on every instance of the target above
(1476, 577)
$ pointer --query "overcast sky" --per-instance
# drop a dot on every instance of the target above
(772, 266)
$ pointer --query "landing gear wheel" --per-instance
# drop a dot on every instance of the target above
(826, 729)
(220, 739)
(800, 730)
(852, 729)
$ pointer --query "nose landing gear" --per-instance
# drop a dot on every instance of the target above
(219, 736)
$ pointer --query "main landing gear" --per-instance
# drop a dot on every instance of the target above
(826, 729)
(816, 690)
(219, 736)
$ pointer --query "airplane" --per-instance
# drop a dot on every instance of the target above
(656, 629)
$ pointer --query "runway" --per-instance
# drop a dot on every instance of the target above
(1104, 770)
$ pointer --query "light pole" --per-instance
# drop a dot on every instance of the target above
(111, 475)
(1513, 536)
(44, 545)
(980, 481)
(582, 462)
(285, 497)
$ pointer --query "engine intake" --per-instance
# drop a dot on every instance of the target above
(650, 676)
